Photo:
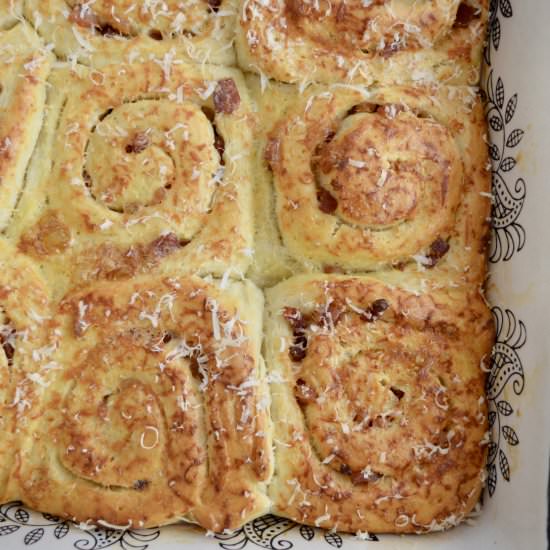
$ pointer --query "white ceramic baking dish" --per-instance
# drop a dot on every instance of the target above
(516, 80)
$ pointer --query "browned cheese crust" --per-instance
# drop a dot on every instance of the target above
(26, 347)
(380, 419)
(23, 71)
(369, 179)
(139, 167)
(363, 41)
(147, 185)
(103, 32)
(156, 410)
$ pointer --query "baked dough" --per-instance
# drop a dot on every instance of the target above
(367, 179)
(25, 351)
(24, 68)
(10, 12)
(119, 31)
(373, 42)
(159, 409)
(145, 188)
(131, 174)
(379, 414)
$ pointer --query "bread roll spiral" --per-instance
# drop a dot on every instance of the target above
(389, 177)
(138, 168)
(23, 71)
(378, 401)
(367, 42)
(158, 411)
(25, 350)
(120, 31)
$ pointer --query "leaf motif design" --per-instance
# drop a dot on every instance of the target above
(496, 123)
(504, 408)
(490, 87)
(510, 435)
(61, 530)
(8, 529)
(494, 152)
(492, 418)
(504, 465)
(499, 93)
(514, 138)
(307, 532)
(495, 33)
(511, 108)
(32, 537)
(506, 8)
(492, 479)
(334, 539)
(508, 164)
(50, 517)
(21, 515)
(492, 452)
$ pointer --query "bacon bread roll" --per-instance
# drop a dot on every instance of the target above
(380, 419)
(367, 42)
(159, 411)
(24, 68)
(25, 350)
(365, 180)
(102, 32)
(140, 167)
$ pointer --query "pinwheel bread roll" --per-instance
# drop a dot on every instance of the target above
(24, 67)
(26, 344)
(102, 32)
(379, 411)
(159, 410)
(351, 179)
(372, 42)
(140, 167)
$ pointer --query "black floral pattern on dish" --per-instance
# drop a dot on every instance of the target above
(266, 532)
(508, 234)
(506, 371)
(34, 528)
(497, 8)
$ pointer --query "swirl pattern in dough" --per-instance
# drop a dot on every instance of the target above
(140, 167)
(24, 67)
(388, 177)
(158, 412)
(367, 42)
(378, 401)
(124, 31)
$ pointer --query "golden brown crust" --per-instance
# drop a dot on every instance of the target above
(381, 42)
(366, 179)
(23, 71)
(378, 401)
(138, 167)
(25, 350)
(120, 31)
(133, 391)
(157, 411)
